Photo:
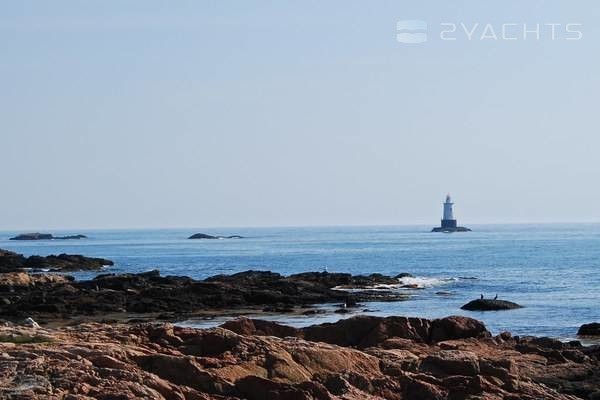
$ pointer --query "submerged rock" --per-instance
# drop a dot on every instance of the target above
(490, 305)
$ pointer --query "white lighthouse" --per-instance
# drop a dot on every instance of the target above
(448, 212)
(448, 221)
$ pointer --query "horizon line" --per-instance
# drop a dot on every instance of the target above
(24, 230)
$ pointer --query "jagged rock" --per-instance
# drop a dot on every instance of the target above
(158, 362)
(490, 305)
(368, 331)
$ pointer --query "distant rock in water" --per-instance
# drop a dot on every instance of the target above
(490, 305)
(45, 236)
(205, 236)
(71, 237)
(592, 329)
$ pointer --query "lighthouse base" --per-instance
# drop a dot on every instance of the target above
(450, 230)
(449, 225)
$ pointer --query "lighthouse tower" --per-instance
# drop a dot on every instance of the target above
(448, 220)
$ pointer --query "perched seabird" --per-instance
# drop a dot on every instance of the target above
(496, 297)
(481, 296)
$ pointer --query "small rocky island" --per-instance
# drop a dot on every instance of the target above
(205, 236)
(449, 224)
(45, 236)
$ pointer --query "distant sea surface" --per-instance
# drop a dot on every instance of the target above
(552, 270)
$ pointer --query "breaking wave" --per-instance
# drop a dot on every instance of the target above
(406, 283)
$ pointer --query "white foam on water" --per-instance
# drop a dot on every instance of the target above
(422, 282)
(407, 283)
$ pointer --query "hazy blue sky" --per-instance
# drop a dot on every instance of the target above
(250, 113)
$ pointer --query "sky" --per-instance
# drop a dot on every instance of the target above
(133, 114)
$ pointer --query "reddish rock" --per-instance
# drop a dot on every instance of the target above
(246, 326)
(456, 327)
(158, 362)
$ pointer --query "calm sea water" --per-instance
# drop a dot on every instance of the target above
(552, 270)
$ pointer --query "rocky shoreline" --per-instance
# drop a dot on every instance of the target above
(14, 262)
(174, 297)
(359, 358)
(100, 339)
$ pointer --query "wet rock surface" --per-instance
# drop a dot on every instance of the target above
(152, 293)
(13, 262)
(490, 305)
(394, 358)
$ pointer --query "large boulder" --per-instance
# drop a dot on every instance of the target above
(365, 331)
(457, 327)
(592, 329)
(490, 305)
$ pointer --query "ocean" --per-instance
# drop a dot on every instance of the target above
(552, 270)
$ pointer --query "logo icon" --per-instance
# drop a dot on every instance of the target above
(411, 31)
